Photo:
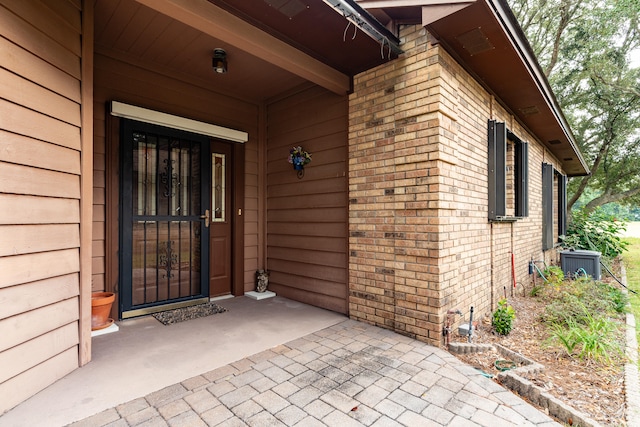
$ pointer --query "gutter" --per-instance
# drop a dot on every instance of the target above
(368, 24)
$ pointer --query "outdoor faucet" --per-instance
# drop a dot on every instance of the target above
(447, 329)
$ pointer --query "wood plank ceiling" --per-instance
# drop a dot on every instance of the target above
(130, 31)
(144, 36)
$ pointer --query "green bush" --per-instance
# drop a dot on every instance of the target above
(503, 317)
(573, 297)
(584, 317)
(592, 339)
(554, 275)
(595, 231)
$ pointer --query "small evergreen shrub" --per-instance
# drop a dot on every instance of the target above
(503, 317)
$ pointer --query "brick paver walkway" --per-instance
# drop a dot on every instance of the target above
(351, 374)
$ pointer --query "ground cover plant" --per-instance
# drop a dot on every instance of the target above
(585, 319)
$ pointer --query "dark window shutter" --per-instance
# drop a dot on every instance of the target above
(497, 150)
(522, 178)
(562, 205)
(547, 206)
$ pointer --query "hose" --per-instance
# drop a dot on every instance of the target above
(504, 365)
(539, 272)
(621, 284)
(581, 271)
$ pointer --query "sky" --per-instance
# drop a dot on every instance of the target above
(635, 58)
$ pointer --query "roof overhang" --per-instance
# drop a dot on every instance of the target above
(485, 37)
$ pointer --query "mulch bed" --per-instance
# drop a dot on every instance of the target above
(592, 388)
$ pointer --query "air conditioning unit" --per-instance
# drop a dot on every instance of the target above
(574, 261)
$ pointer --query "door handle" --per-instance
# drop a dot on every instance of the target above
(206, 218)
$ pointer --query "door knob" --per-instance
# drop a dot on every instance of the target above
(206, 218)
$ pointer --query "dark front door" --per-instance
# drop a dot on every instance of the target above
(165, 193)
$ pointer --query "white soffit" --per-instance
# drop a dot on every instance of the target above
(140, 114)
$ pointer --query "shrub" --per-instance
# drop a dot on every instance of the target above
(554, 275)
(503, 317)
(595, 231)
(576, 298)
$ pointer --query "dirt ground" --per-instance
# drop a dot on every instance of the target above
(592, 388)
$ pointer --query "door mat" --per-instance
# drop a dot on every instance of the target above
(178, 315)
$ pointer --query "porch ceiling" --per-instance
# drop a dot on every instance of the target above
(272, 46)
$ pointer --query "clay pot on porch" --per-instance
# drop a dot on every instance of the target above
(100, 309)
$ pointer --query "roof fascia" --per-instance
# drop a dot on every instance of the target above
(383, 4)
(434, 12)
(220, 24)
(521, 46)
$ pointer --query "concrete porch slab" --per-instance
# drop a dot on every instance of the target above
(145, 356)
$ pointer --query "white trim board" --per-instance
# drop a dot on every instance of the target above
(132, 112)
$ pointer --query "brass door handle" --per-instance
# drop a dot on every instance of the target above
(206, 218)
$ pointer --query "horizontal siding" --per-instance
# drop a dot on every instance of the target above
(24, 239)
(19, 179)
(23, 150)
(29, 94)
(38, 377)
(27, 268)
(16, 209)
(302, 216)
(307, 218)
(33, 68)
(325, 229)
(24, 121)
(22, 357)
(19, 329)
(40, 178)
(40, 293)
(20, 31)
(54, 25)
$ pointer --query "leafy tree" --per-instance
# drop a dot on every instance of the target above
(585, 48)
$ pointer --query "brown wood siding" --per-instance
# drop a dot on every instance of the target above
(40, 194)
(307, 218)
(122, 79)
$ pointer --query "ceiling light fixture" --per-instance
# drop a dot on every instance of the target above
(219, 61)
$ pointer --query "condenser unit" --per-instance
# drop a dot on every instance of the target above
(573, 262)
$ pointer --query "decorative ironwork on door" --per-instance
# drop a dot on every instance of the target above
(161, 215)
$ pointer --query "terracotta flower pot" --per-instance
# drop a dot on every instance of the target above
(100, 309)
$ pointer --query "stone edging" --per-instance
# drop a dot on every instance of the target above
(631, 377)
(537, 395)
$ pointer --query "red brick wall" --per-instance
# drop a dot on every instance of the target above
(420, 242)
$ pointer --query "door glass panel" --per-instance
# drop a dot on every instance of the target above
(218, 186)
(144, 174)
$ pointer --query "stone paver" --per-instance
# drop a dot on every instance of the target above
(350, 374)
